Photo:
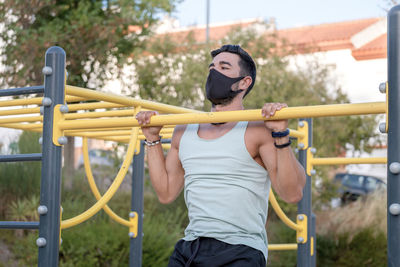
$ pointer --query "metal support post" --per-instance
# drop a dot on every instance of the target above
(393, 157)
(314, 241)
(50, 187)
(304, 206)
(135, 251)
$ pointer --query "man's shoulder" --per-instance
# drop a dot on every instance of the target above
(257, 126)
(257, 132)
(180, 128)
(177, 135)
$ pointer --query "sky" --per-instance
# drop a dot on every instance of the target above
(287, 13)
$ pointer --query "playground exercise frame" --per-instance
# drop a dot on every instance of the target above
(120, 125)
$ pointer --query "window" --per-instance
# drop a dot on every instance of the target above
(351, 180)
(371, 183)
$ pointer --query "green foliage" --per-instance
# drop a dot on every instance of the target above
(162, 229)
(367, 248)
(170, 77)
(29, 143)
(99, 37)
(24, 209)
(93, 34)
(279, 233)
(20, 180)
(25, 250)
(99, 242)
(102, 242)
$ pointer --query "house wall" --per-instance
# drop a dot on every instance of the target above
(358, 79)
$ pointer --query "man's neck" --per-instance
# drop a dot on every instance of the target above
(235, 105)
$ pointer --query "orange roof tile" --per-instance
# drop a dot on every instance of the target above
(375, 49)
(325, 37)
(199, 34)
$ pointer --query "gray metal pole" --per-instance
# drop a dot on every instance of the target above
(393, 163)
(304, 206)
(135, 250)
(50, 187)
(314, 247)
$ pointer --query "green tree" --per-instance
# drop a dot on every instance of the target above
(99, 38)
(170, 76)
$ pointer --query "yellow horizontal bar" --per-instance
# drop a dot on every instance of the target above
(296, 133)
(110, 130)
(36, 127)
(116, 133)
(339, 161)
(126, 101)
(225, 116)
(21, 119)
(126, 138)
(111, 113)
(33, 101)
(95, 105)
(275, 247)
(21, 102)
(281, 214)
(119, 139)
(94, 130)
(69, 98)
(19, 111)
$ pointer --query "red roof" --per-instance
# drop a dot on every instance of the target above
(199, 33)
(323, 37)
(377, 48)
(330, 36)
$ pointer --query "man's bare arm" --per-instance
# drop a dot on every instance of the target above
(287, 175)
(166, 173)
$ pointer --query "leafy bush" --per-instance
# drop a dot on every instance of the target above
(279, 233)
(162, 229)
(20, 179)
(102, 242)
(24, 209)
(95, 243)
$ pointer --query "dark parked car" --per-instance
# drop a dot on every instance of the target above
(352, 186)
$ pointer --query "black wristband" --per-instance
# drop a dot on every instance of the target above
(280, 134)
(283, 145)
(152, 143)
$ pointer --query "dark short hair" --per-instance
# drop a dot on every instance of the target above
(246, 63)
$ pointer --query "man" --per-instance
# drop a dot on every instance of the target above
(226, 170)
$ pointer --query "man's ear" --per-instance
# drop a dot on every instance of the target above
(245, 83)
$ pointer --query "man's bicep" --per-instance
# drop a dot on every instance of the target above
(173, 164)
(175, 172)
(268, 156)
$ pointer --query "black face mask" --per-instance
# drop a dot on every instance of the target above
(219, 87)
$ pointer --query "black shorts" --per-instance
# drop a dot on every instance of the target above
(209, 252)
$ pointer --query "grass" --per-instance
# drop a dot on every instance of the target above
(364, 213)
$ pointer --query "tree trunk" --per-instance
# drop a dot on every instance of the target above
(69, 158)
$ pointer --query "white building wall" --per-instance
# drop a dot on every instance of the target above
(358, 79)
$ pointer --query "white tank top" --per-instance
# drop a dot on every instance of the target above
(226, 190)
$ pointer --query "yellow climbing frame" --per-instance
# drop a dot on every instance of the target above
(98, 115)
